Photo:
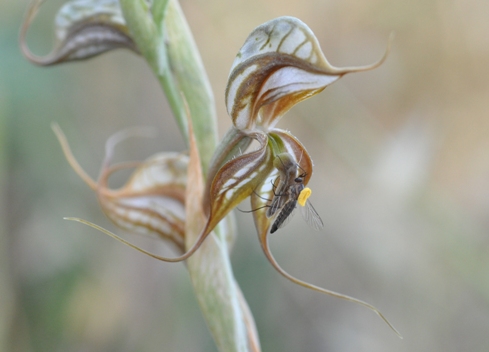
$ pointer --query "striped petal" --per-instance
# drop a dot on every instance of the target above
(238, 178)
(231, 146)
(153, 199)
(279, 65)
(84, 29)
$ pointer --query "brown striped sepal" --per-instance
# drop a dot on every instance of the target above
(84, 29)
(279, 65)
(152, 201)
(237, 179)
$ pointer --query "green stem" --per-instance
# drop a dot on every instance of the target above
(164, 39)
(170, 51)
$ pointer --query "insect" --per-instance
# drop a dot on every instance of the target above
(290, 192)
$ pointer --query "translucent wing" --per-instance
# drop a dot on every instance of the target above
(284, 215)
(287, 219)
(311, 216)
(281, 195)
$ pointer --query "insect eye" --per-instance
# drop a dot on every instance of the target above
(300, 179)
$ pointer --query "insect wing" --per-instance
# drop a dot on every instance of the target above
(280, 197)
(311, 216)
(288, 212)
(285, 215)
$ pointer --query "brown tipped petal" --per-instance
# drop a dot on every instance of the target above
(152, 202)
(292, 38)
(280, 61)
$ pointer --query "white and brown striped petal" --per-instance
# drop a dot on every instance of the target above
(153, 199)
(237, 179)
(279, 65)
(84, 29)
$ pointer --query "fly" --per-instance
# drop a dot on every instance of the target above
(290, 192)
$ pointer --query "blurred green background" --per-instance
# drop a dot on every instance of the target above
(401, 181)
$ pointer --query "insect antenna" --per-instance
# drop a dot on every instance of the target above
(253, 210)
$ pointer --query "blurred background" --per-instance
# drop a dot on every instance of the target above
(401, 181)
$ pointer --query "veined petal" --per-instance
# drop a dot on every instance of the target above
(263, 195)
(84, 29)
(238, 178)
(151, 202)
(233, 144)
(279, 65)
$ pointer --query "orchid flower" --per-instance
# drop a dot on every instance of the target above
(279, 65)
(153, 199)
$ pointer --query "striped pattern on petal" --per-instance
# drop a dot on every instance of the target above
(84, 29)
(238, 178)
(279, 65)
(153, 200)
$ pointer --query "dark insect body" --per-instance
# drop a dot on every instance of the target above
(290, 191)
(288, 207)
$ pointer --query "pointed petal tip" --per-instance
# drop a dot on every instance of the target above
(65, 147)
(281, 271)
(345, 70)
